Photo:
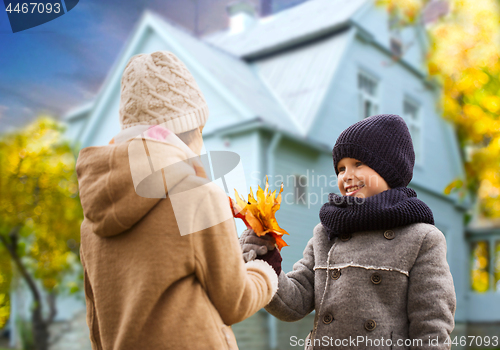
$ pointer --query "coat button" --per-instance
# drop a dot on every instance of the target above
(336, 274)
(370, 325)
(376, 278)
(327, 319)
(389, 234)
(344, 237)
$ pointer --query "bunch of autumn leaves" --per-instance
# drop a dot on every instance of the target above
(258, 213)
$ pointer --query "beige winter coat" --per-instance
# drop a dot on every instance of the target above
(148, 287)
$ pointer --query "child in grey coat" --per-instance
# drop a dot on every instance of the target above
(375, 270)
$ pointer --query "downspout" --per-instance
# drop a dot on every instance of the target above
(271, 320)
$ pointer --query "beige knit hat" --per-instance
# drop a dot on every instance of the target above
(157, 88)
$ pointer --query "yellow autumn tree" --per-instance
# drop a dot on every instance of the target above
(40, 217)
(464, 57)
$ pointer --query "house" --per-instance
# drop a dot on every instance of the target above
(280, 89)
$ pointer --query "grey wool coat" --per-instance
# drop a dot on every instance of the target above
(383, 289)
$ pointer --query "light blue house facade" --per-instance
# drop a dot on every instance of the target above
(280, 90)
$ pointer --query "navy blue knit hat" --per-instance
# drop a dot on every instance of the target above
(382, 142)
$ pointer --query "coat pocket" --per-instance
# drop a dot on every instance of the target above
(228, 334)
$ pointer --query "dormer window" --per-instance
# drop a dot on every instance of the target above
(396, 47)
(368, 95)
(395, 40)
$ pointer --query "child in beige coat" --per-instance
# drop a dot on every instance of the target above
(146, 285)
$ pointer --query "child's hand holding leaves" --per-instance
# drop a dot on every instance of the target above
(253, 245)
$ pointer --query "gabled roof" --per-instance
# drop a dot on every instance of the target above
(300, 78)
(234, 76)
(231, 77)
(289, 27)
(285, 87)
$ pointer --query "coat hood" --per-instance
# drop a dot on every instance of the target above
(115, 195)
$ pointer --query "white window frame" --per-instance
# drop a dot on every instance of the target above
(415, 127)
(366, 96)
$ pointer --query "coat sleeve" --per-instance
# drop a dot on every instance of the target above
(237, 290)
(295, 297)
(431, 294)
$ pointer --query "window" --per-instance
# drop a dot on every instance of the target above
(412, 117)
(367, 87)
(485, 265)
(300, 184)
(395, 43)
(396, 47)
(480, 266)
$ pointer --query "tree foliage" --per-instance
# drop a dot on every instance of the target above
(40, 212)
(464, 57)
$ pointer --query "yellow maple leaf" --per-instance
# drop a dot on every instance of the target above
(258, 212)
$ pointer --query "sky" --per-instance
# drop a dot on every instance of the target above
(62, 64)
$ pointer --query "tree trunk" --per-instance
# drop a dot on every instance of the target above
(40, 326)
(40, 329)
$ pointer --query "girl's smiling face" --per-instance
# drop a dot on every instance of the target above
(359, 180)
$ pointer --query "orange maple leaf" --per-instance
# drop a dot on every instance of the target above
(258, 213)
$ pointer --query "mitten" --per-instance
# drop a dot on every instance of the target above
(273, 258)
(253, 245)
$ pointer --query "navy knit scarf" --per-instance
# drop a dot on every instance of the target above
(392, 208)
